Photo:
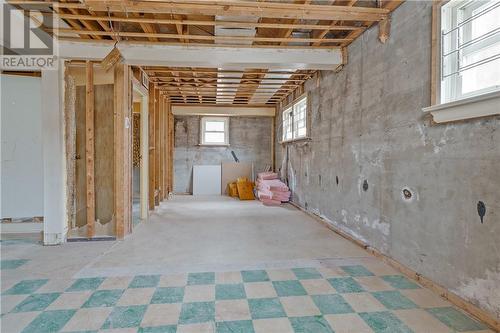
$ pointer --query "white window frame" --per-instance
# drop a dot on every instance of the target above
(203, 130)
(287, 124)
(447, 102)
(291, 116)
(455, 29)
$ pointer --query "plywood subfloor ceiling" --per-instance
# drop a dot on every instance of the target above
(260, 24)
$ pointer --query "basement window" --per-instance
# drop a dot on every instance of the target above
(295, 121)
(466, 67)
(470, 49)
(214, 131)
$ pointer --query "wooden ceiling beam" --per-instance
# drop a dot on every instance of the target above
(205, 90)
(179, 27)
(151, 35)
(228, 24)
(232, 8)
(88, 25)
(389, 5)
(289, 31)
(214, 90)
(227, 104)
(227, 85)
(323, 33)
(204, 71)
(161, 78)
(148, 28)
(74, 23)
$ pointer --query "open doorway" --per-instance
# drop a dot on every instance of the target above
(140, 154)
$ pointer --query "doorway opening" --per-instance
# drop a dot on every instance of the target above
(140, 152)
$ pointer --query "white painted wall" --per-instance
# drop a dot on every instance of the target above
(55, 223)
(21, 154)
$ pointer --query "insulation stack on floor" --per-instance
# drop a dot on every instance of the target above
(270, 190)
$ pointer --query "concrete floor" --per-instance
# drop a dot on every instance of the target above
(214, 241)
(196, 233)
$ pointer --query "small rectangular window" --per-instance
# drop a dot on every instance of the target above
(287, 125)
(300, 119)
(295, 121)
(214, 131)
(470, 49)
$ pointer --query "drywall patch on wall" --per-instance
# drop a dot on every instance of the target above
(483, 291)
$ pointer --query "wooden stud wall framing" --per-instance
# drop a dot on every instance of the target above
(151, 112)
(171, 144)
(157, 147)
(165, 147)
(161, 129)
(160, 147)
(89, 147)
(123, 150)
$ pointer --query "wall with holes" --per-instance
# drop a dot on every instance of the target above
(378, 169)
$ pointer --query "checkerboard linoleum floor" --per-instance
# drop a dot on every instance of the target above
(344, 299)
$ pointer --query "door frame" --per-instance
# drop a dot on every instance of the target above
(144, 149)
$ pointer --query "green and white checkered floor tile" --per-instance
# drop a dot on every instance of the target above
(354, 299)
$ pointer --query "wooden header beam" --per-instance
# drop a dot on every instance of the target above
(215, 56)
(226, 24)
(240, 8)
(202, 37)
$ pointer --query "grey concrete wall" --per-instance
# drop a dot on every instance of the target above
(367, 124)
(249, 137)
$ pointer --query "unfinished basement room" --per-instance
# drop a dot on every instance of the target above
(250, 166)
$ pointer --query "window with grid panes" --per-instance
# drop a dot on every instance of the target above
(300, 119)
(295, 121)
(215, 131)
(287, 125)
(470, 49)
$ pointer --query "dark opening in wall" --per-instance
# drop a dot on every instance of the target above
(481, 210)
(365, 185)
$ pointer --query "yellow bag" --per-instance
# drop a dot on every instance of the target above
(232, 190)
(245, 189)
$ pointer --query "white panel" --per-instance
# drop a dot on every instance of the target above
(206, 179)
(213, 56)
(181, 110)
(22, 162)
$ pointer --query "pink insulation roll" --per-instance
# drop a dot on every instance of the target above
(264, 194)
(273, 185)
(270, 190)
(267, 175)
(270, 202)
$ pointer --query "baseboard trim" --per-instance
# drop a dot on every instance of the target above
(53, 239)
(456, 300)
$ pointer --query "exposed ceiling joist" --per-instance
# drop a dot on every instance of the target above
(248, 8)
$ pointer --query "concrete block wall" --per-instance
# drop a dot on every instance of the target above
(249, 138)
(371, 141)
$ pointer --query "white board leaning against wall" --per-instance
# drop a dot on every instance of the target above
(206, 179)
